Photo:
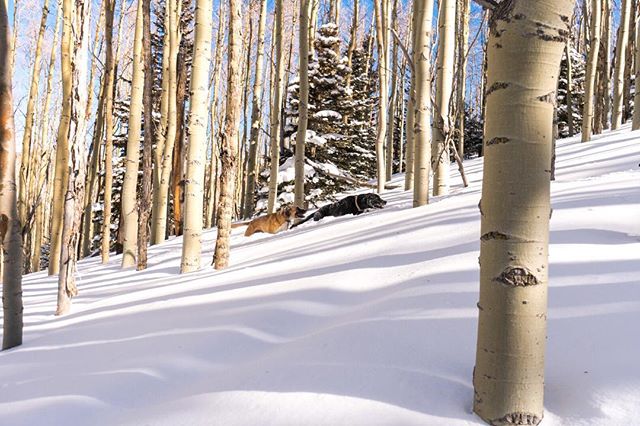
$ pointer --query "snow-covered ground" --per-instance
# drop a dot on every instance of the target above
(367, 320)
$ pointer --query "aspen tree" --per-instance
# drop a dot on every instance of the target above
(444, 85)
(303, 107)
(635, 125)
(392, 99)
(129, 213)
(353, 39)
(590, 78)
(228, 144)
(606, 42)
(74, 79)
(569, 87)
(463, 7)
(10, 238)
(213, 161)
(276, 110)
(525, 47)
(256, 114)
(422, 22)
(618, 79)
(108, 128)
(409, 123)
(147, 160)
(381, 17)
(196, 149)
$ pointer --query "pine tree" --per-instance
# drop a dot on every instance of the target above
(578, 72)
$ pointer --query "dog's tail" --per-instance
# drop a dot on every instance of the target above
(239, 224)
(309, 217)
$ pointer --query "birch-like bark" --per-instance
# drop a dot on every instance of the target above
(256, 115)
(635, 125)
(228, 144)
(522, 76)
(129, 213)
(276, 110)
(590, 77)
(381, 130)
(422, 23)
(303, 108)
(196, 149)
(463, 40)
(10, 238)
(569, 87)
(392, 98)
(618, 79)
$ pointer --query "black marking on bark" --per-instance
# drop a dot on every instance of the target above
(480, 207)
(479, 307)
(498, 46)
(496, 86)
(550, 213)
(565, 19)
(502, 12)
(517, 276)
(495, 235)
(497, 140)
(519, 16)
(549, 98)
(517, 418)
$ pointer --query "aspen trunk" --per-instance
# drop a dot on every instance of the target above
(178, 169)
(161, 135)
(422, 23)
(628, 64)
(229, 136)
(569, 88)
(303, 108)
(10, 238)
(463, 36)
(521, 79)
(108, 129)
(159, 215)
(353, 39)
(129, 213)
(444, 85)
(635, 125)
(618, 79)
(74, 77)
(97, 46)
(606, 42)
(381, 130)
(275, 111)
(196, 149)
(13, 40)
(256, 115)
(392, 98)
(149, 131)
(313, 24)
(409, 123)
(590, 78)
(213, 160)
(27, 158)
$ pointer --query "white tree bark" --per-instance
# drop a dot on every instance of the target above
(590, 78)
(618, 79)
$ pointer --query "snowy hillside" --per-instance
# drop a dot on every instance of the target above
(367, 320)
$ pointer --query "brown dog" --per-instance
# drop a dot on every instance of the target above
(274, 222)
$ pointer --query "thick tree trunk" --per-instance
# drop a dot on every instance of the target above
(618, 80)
(129, 213)
(275, 111)
(444, 85)
(422, 23)
(196, 149)
(515, 209)
(10, 238)
(74, 76)
(149, 131)
(381, 17)
(303, 108)
(256, 115)
(590, 78)
(229, 136)
(108, 129)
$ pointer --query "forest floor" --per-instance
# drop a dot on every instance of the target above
(367, 320)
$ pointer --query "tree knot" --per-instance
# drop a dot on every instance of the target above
(517, 276)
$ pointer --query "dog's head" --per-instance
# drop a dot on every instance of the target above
(373, 201)
(293, 212)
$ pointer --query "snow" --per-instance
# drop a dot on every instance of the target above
(327, 113)
(367, 320)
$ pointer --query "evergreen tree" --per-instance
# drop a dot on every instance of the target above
(578, 72)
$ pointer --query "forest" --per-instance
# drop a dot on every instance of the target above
(188, 152)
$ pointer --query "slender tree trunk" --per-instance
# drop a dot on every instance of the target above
(149, 131)
(95, 51)
(13, 43)
(27, 158)
(381, 131)
(522, 75)
(275, 111)
(74, 77)
(10, 238)
(196, 149)
(178, 169)
(606, 43)
(409, 123)
(256, 115)
(108, 128)
(391, 121)
(590, 78)
(463, 39)
(629, 59)
(313, 24)
(303, 108)
(422, 24)
(353, 39)
(444, 84)
(159, 219)
(129, 213)
(569, 87)
(618, 80)
(229, 136)
(636, 99)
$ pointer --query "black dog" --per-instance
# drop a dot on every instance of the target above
(353, 204)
